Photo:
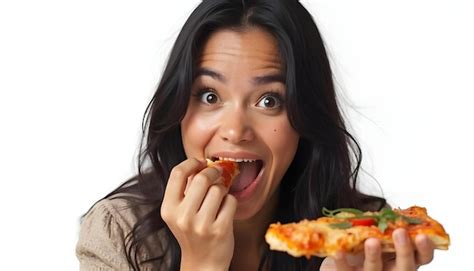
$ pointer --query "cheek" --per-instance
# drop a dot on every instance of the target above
(196, 132)
(282, 140)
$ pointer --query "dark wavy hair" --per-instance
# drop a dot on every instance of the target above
(325, 167)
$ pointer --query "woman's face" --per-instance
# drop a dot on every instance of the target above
(237, 111)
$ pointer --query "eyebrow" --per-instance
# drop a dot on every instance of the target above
(211, 73)
(259, 80)
(266, 79)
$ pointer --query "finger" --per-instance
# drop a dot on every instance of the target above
(328, 265)
(373, 255)
(177, 181)
(226, 213)
(341, 262)
(188, 182)
(199, 187)
(424, 248)
(212, 202)
(404, 250)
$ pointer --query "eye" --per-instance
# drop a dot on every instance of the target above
(207, 96)
(270, 101)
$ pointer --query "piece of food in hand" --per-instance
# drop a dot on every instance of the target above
(346, 230)
(230, 170)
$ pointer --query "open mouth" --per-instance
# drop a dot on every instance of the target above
(249, 170)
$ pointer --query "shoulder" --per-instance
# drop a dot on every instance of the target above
(103, 234)
(114, 214)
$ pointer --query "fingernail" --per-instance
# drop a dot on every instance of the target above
(401, 237)
(372, 245)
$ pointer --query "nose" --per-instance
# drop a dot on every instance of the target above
(236, 127)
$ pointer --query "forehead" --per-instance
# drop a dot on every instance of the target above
(253, 47)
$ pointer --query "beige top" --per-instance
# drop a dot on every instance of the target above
(102, 235)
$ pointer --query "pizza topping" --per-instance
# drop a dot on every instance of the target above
(341, 225)
(363, 221)
(229, 169)
(352, 222)
(227, 172)
(411, 220)
(332, 213)
(354, 217)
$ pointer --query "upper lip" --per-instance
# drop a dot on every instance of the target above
(236, 155)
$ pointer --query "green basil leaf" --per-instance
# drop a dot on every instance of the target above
(331, 213)
(342, 225)
(350, 210)
(327, 212)
(388, 214)
(412, 220)
(382, 225)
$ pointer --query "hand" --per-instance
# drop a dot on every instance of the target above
(407, 257)
(199, 212)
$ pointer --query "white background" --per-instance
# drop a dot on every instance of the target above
(76, 76)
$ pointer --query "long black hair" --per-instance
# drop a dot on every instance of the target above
(325, 168)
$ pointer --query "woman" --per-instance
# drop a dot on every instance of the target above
(248, 81)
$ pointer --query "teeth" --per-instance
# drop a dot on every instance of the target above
(238, 160)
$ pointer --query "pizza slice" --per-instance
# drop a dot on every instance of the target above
(230, 170)
(346, 230)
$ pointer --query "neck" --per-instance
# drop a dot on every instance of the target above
(249, 236)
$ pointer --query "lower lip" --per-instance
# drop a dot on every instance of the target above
(249, 190)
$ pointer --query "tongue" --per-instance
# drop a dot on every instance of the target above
(248, 173)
